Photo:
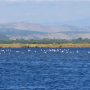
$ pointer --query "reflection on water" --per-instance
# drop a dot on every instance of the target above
(44, 69)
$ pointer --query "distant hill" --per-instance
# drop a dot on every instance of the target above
(15, 33)
(3, 37)
(36, 31)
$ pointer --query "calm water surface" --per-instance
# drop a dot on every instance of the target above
(44, 69)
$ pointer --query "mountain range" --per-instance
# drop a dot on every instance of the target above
(36, 31)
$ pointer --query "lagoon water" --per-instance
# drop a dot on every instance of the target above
(44, 69)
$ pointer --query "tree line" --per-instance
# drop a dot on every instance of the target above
(44, 41)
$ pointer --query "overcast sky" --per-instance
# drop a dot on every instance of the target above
(45, 11)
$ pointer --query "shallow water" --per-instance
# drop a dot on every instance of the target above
(44, 69)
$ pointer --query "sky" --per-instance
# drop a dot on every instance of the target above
(48, 12)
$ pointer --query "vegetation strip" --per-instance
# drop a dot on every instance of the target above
(69, 45)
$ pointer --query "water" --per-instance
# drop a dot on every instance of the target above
(44, 69)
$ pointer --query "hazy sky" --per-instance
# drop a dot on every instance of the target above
(45, 11)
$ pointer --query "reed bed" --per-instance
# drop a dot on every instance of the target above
(69, 45)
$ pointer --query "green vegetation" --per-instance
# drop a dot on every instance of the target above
(45, 41)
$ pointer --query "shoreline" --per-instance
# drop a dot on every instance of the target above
(68, 45)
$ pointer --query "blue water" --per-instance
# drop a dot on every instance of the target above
(44, 69)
